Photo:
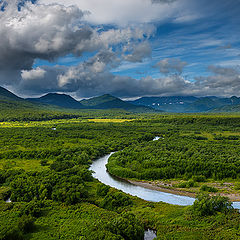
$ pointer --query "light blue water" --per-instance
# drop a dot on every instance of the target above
(100, 173)
(149, 235)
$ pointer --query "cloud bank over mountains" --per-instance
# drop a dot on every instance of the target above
(102, 37)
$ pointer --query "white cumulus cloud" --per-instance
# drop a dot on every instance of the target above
(33, 74)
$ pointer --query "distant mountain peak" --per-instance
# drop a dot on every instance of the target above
(56, 95)
(61, 100)
(94, 101)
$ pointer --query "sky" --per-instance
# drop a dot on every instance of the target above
(127, 48)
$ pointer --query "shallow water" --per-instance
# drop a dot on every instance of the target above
(149, 235)
(8, 200)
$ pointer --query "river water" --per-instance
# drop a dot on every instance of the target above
(100, 173)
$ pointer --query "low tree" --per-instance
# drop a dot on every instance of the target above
(102, 189)
(127, 226)
(26, 223)
(206, 205)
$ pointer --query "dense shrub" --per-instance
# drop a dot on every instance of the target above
(115, 200)
(206, 205)
(33, 208)
(187, 184)
(44, 162)
(26, 223)
(13, 234)
(102, 189)
(128, 226)
(199, 178)
(207, 188)
(178, 157)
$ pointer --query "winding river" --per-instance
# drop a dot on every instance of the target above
(100, 172)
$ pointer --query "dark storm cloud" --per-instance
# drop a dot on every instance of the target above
(93, 77)
(84, 84)
(51, 31)
(40, 80)
(42, 31)
(45, 32)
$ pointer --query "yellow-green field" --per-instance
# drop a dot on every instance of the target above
(109, 120)
(60, 121)
(38, 123)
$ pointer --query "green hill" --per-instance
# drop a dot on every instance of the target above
(60, 100)
(14, 108)
(108, 101)
(232, 108)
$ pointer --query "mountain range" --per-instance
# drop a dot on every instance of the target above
(105, 101)
(178, 104)
(190, 104)
(8, 100)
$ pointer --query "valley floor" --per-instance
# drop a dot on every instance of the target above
(44, 170)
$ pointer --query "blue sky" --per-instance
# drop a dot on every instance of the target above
(160, 47)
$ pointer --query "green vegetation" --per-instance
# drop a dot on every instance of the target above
(184, 153)
(187, 184)
(208, 188)
(54, 196)
(206, 205)
(178, 156)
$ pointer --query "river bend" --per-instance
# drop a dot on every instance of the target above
(100, 172)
